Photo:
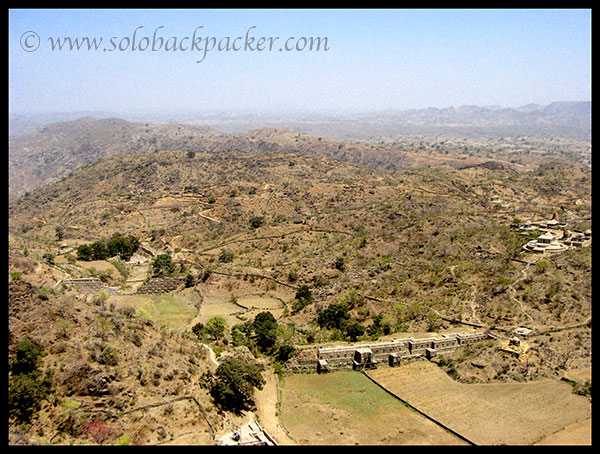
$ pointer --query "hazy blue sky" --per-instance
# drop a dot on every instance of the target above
(377, 59)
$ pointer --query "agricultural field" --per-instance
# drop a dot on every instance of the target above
(168, 310)
(346, 408)
(493, 413)
(238, 302)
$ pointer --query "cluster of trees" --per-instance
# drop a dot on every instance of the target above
(259, 335)
(337, 317)
(27, 388)
(123, 246)
(235, 379)
(163, 266)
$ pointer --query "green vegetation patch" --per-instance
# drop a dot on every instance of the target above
(345, 407)
(172, 311)
(168, 310)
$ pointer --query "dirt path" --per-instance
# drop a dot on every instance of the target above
(514, 292)
(267, 410)
(473, 305)
(266, 405)
(211, 355)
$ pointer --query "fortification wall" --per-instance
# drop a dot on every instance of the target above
(384, 353)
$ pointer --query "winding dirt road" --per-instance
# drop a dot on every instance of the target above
(267, 409)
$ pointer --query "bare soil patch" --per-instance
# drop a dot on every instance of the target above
(491, 413)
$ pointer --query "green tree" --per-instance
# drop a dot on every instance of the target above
(84, 252)
(285, 352)
(353, 330)
(163, 266)
(216, 327)
(233, 385)
(302, 299)
(99, 250)
(335, 316)
(265, 330)
(303, 294)
(26, 389)
(26, 357)
(25, 394)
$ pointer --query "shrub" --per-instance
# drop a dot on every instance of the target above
(48, 258)
(226, 256)
(98, 430)
(304, 294)
(340, 264)
(190, 280)
(109, 356)
(215, 327)
(198, 329)
(123, 440)
(542, 265)
(293, 274)
(256, 221)
(26, 357)
(70, 415)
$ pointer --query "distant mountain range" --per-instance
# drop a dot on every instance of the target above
(43, 154)
(559, 119)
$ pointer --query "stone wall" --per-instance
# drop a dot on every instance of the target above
(89, 286)
(384, 353)
(160, 285)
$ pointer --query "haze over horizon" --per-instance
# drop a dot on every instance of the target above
(375, 60)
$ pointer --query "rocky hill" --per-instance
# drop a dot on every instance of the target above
(403, 250)
(412, 236)
(390, 139)
(53, 151)
(114, 378)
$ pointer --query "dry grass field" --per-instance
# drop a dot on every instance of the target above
(168, 310)
(494, 413)
(346, 408)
